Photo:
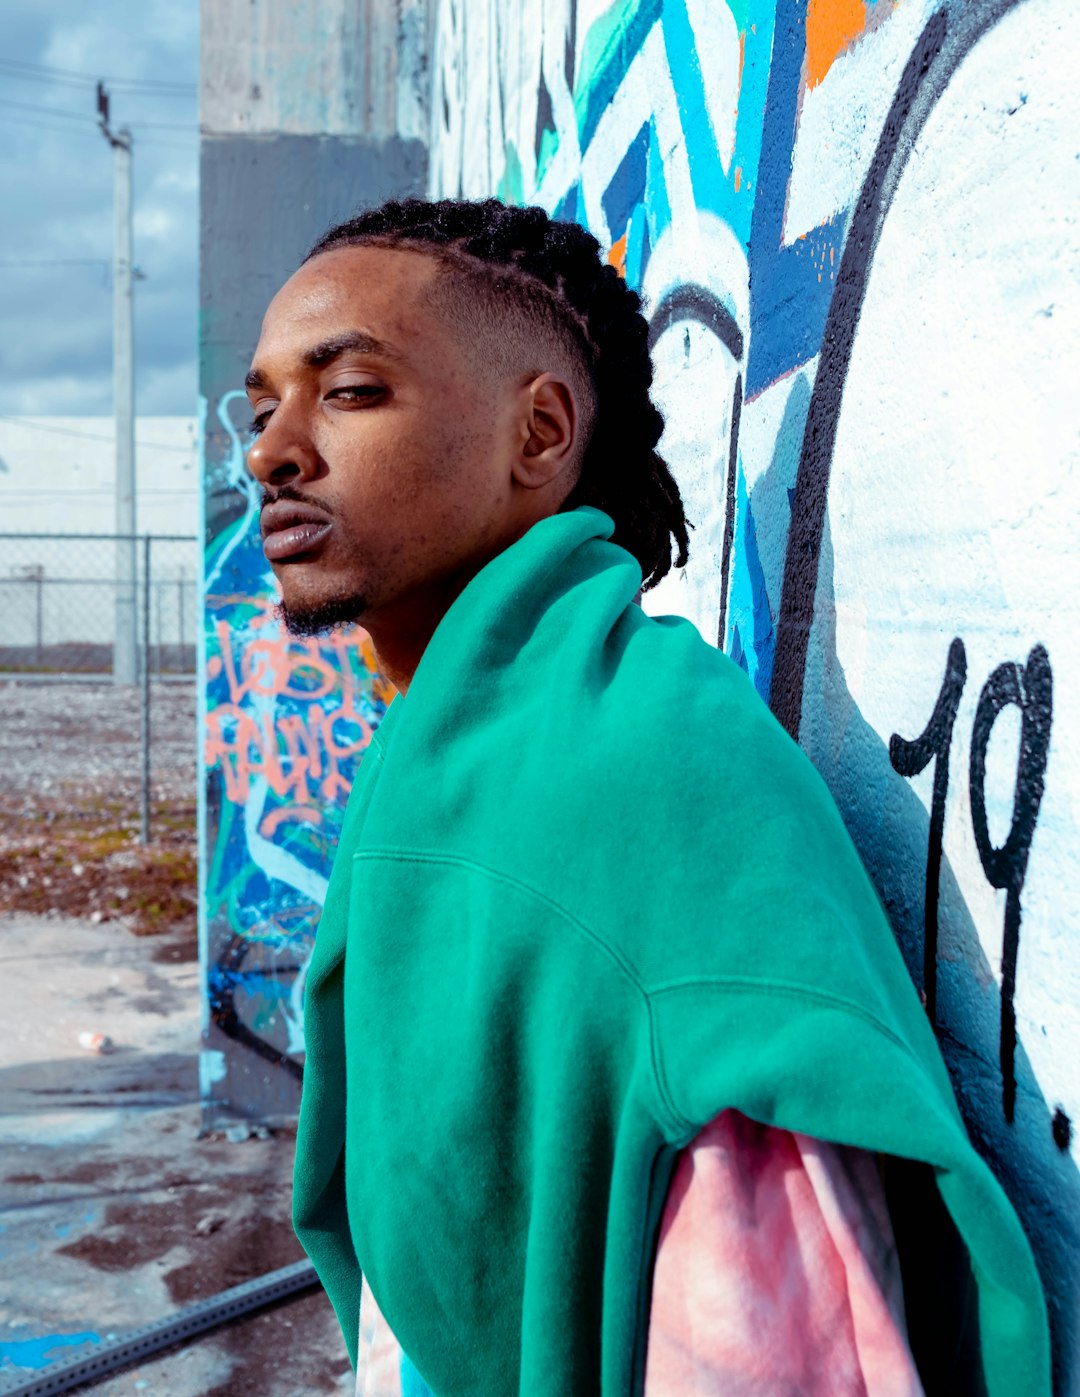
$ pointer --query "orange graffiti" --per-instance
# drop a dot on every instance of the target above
(831, 25)
(617, 255)
(275, 664)
(302, 814)
(298, 749)
(742, 62)
(299, 757)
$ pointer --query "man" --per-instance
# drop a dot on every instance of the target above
(605, 1024)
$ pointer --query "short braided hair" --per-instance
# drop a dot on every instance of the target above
(553, 273)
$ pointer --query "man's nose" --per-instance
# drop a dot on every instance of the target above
(282, 452)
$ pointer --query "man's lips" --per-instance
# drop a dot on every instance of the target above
(290, 529)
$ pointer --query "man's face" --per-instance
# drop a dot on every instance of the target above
(383, 453)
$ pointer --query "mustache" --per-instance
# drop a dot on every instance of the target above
(293, 495)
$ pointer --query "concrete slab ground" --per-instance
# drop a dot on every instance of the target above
(113, 1212)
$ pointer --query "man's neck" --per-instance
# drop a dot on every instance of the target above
(401, 631)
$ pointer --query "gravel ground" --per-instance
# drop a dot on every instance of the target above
(71, 757)
(84, 738)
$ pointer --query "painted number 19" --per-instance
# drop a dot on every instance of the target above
(1029, 688)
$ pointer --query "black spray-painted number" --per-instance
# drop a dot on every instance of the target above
(909, 759)
(1029, 688)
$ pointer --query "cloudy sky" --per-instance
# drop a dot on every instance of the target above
(56, 174)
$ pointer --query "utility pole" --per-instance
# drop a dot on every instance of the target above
(126, 645)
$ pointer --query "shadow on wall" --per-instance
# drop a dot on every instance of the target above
(906, 516)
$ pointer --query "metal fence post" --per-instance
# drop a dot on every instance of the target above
(144, 723)
(180, 618)
(39, 613)
(160, 632)
(125, 645)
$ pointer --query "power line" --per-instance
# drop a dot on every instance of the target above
(43, 111)
(42, 72)
(56, 493)
(91, 436)
(37, 125)
(55, 262)
(80, 116)
(161, 142)
(188, 127)
(20, 498)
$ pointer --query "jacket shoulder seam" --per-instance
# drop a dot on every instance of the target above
(777, 989)
(786, 989)
(422, 857)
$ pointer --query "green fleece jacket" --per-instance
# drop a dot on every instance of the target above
(588, 895)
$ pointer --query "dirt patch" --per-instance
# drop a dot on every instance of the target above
(224, 1239)
(264, 1246)
(85, 1173)
(100, 872)
(72, 764)
(131, 1234)
(277, 1337)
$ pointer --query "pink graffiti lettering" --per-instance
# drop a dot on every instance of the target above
(300, 749)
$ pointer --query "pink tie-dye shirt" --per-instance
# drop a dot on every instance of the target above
(776, 1274)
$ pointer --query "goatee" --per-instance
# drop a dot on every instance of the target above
(320, 618)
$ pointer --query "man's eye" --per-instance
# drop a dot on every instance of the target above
(357, 392)
(258, 423)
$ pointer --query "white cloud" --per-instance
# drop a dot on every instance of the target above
(154, 222)
(57, 175)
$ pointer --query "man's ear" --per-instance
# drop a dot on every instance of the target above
(549, 428)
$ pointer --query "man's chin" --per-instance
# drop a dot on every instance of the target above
(317, 618)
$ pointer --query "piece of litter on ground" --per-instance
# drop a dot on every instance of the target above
(95, 1042)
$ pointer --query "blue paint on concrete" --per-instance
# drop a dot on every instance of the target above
(39, 1353)
(752, 638)
(609, 80)
(790, 287)
(264, 984)
(706, 170)
(626, 189)
(657, 204)
(757, 40)
(637, 247)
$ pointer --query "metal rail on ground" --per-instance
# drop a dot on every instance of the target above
(138, 1344)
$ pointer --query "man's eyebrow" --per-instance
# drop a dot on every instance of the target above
(360, 340)
(329, 350)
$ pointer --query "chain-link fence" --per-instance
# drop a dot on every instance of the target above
(95, 603)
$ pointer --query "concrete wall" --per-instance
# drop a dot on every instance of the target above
(856, 226)
(308, 111)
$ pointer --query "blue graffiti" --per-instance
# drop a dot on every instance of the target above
(39, 1353)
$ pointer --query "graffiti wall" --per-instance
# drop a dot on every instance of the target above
(855, 223)
(308, 113)
(856, 226)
